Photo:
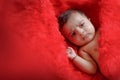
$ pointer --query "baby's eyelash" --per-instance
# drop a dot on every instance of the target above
(82, 24)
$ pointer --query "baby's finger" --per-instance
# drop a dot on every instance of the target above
(69, 47)
(69, 55)
(68, 51)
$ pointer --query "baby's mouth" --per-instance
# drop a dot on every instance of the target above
(85, 36)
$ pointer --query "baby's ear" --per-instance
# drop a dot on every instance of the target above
(89, 19)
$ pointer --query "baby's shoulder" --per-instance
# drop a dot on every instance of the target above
(88, 47)
(83, 48)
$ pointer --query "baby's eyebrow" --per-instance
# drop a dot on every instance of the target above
(81, 21)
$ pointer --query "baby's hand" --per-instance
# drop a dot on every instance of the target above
(71, 53)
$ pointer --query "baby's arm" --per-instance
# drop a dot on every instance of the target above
(84, 63)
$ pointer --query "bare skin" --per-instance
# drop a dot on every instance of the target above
(92, 48)
(80, 31)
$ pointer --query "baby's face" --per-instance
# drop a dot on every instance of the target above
(78, 29)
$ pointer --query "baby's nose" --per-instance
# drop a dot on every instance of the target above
(80, 30)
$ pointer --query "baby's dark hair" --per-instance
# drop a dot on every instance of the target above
(62, 19)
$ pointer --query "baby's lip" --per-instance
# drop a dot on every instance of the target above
(85, 36)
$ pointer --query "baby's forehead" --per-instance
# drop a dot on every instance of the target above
(77, 14)
(75, 17)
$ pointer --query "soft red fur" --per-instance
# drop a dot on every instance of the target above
(32, 47)
(110, 40)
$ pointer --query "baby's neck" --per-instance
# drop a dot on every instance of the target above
(97, 35)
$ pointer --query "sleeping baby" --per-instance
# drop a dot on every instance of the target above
(77, 28)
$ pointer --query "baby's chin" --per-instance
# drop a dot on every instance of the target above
(81, 44)
(89, 38)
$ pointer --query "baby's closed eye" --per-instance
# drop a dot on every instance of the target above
(73, 34)
(81, 24)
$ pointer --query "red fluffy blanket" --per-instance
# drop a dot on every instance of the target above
(31, 46)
